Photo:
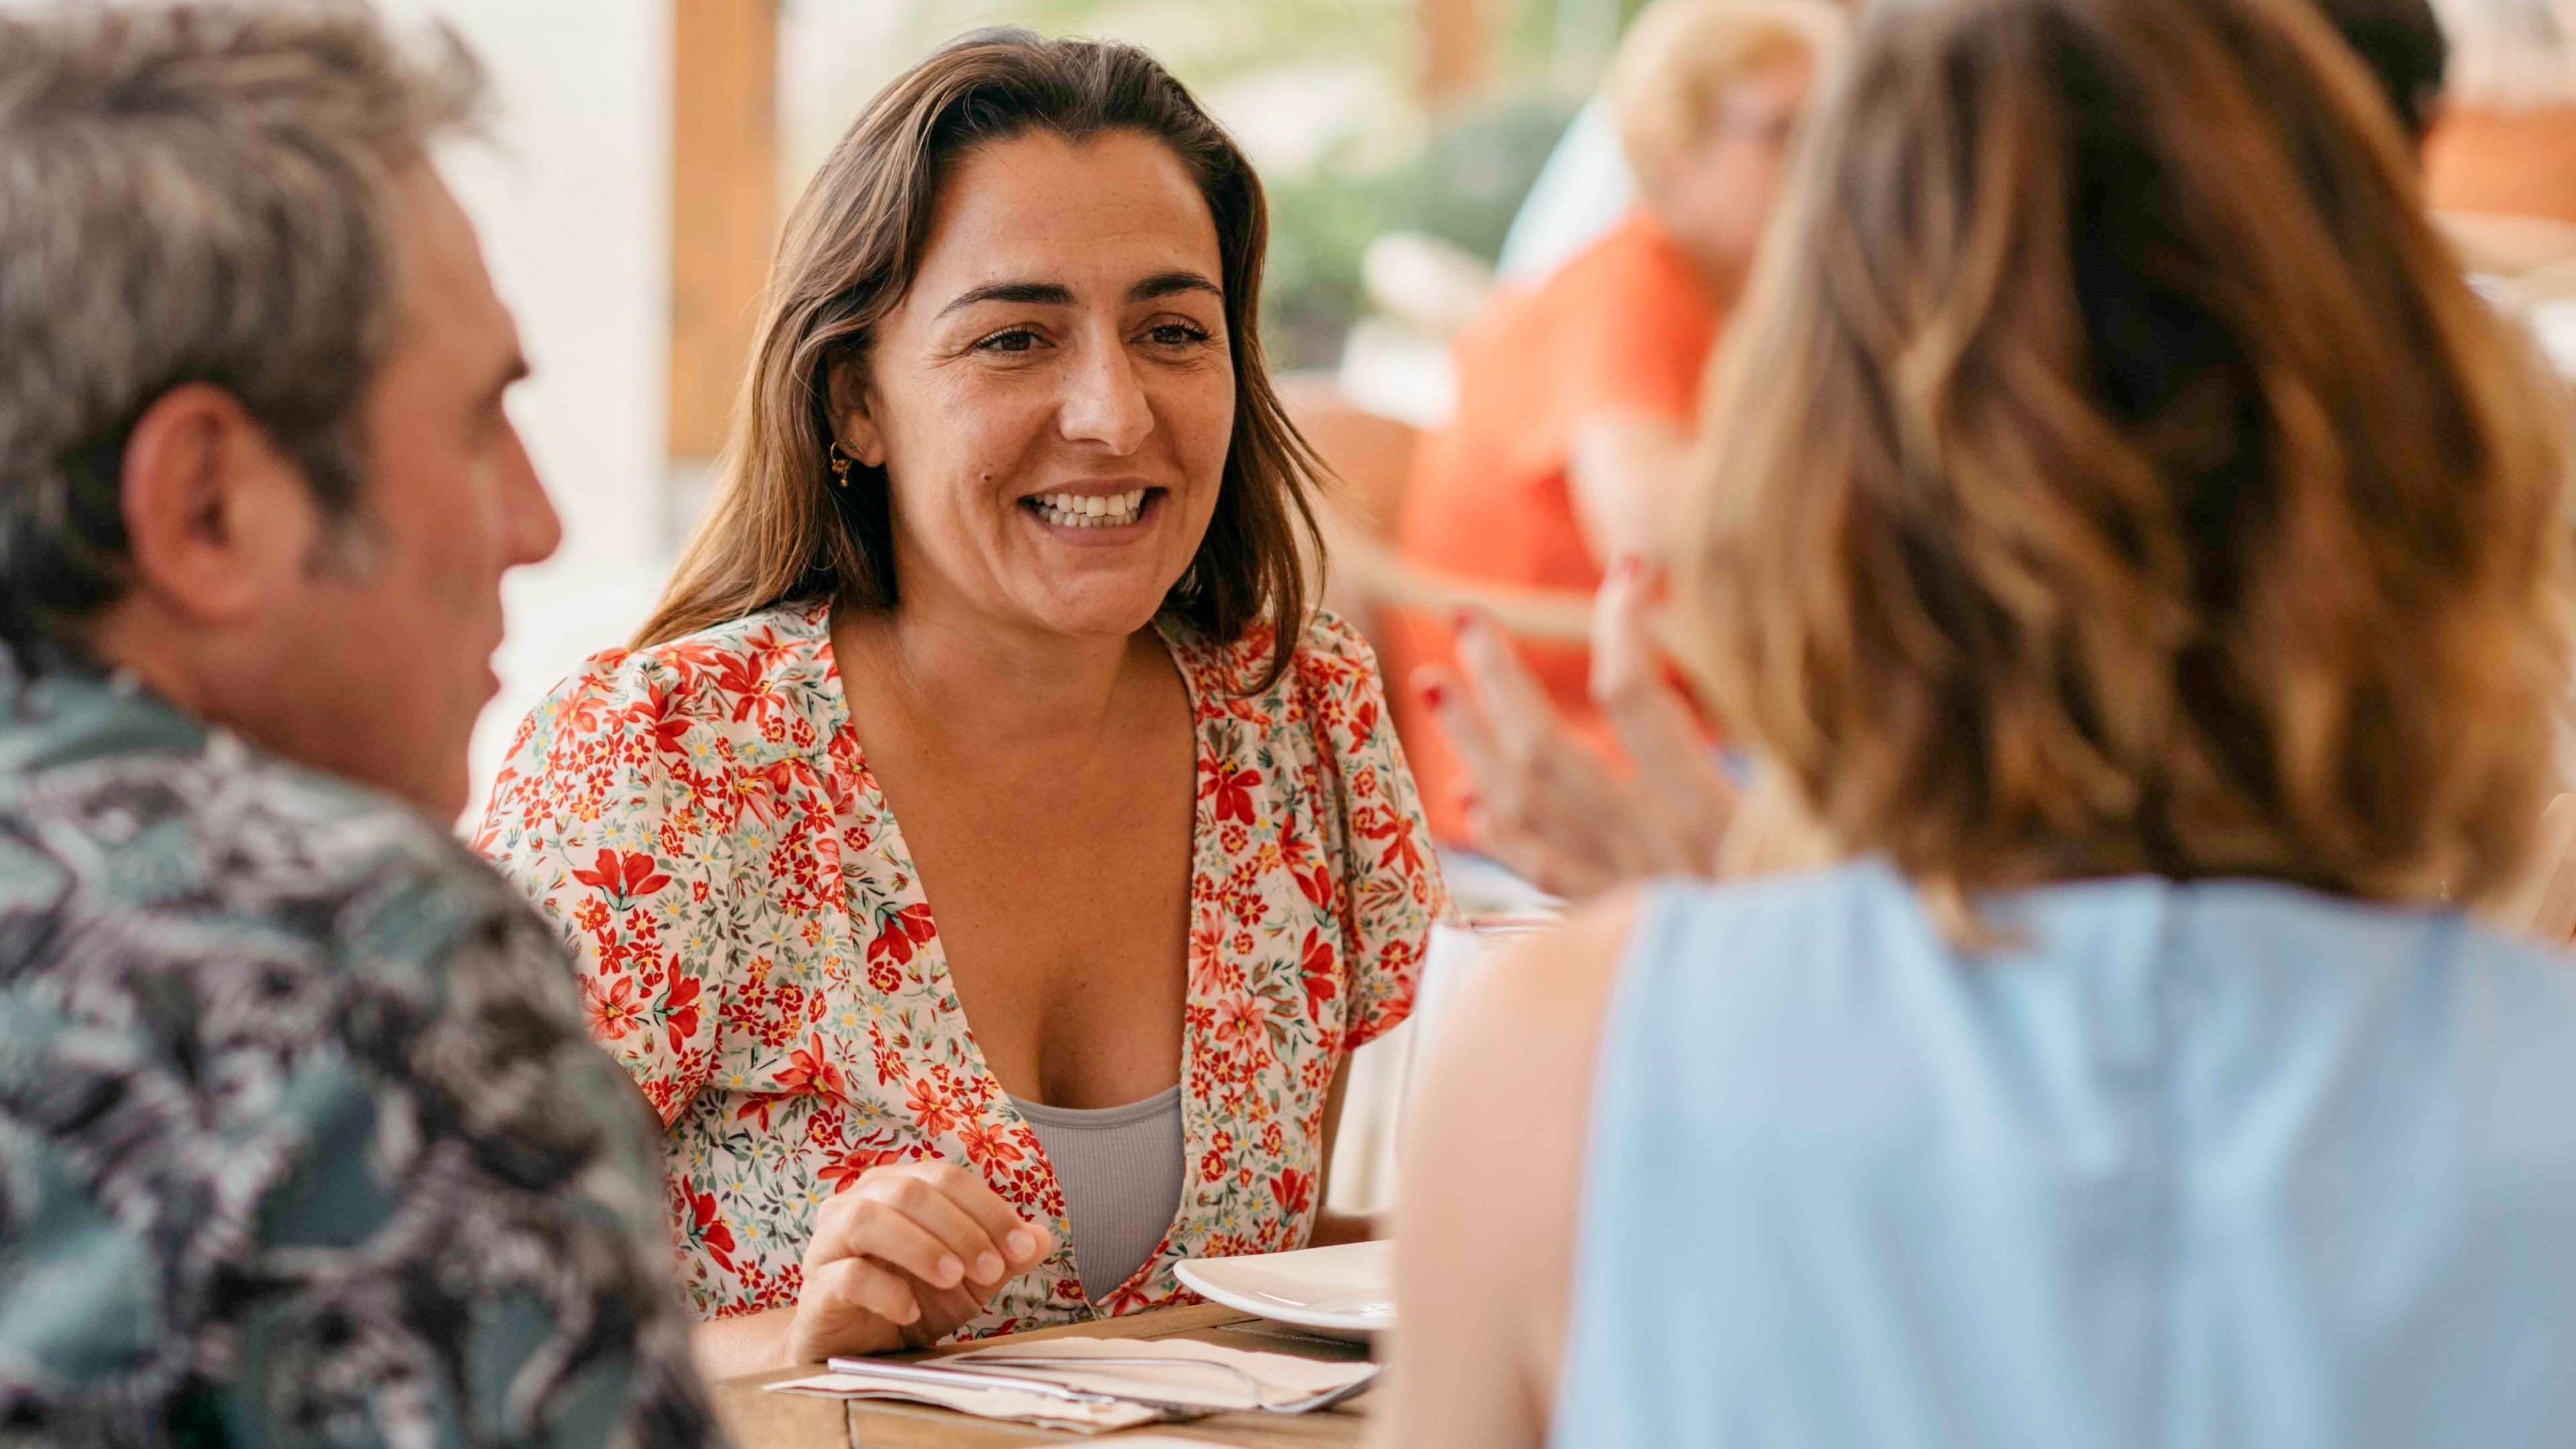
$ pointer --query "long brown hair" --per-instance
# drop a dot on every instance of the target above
(2113, 472)
(779, 530)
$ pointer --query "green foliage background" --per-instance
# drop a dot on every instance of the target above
(1459, 176)
(1463, 185)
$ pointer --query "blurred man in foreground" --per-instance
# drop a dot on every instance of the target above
(300, 1134)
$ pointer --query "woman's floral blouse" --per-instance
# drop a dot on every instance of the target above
(755, 948)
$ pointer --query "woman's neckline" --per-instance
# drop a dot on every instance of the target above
(1146, 1109)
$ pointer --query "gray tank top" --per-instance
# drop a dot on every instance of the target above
(1120, 1168)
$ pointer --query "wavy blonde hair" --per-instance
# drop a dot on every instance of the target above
(1681, 55)
(2113, 472)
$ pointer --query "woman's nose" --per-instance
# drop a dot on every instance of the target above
(1105, 402)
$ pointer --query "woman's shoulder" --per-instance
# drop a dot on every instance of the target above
(1331, 676)
(1332, 654)
(765, 676)
(1636, 262)
(1326, 650)
(1832, 890)
(1544, 1003)
(713, 670)
(682, 712)
(1861, 925)
(1625, 272)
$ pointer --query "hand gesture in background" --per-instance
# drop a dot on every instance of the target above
(1541, 800)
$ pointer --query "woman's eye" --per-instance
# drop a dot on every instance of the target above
(1178, 334)
(1018, 339)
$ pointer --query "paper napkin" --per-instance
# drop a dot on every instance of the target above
(1202, 1375)
(1011, 1404)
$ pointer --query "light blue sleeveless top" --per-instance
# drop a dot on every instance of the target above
(2223, 1164)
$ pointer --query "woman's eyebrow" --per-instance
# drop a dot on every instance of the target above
(1164, 284)
(1045, 294)
(1056, 294)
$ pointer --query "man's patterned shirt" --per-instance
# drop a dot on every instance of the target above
(301, 1138)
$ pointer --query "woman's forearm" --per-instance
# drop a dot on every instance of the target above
(728, 1348)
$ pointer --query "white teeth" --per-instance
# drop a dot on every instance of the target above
(1091, 510)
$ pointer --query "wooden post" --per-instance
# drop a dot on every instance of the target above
(1456, 49)
(724, 205)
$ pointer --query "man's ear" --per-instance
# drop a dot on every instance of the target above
(217, 521)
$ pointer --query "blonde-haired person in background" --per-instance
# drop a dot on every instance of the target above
(1576, 395)
(2506, 146)
(2133, 541)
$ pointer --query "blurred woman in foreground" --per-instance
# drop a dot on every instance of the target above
(2143, 556)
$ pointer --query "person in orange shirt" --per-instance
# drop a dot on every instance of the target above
(1576, 397)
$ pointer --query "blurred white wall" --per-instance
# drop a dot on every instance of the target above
(570, 191)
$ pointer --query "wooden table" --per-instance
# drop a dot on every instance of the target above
(758, 1419)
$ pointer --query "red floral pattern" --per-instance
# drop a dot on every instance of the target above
(755, 948)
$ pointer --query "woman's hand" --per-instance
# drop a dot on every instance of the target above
(906, 1257)
(1544, 802)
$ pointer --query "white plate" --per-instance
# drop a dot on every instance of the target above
(1346, 1291)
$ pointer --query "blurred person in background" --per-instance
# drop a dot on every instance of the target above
(2153, 571)
(2506, 146)
(990, 692)
(2408, 53)
(1542, 797)
(301, 1137)
(1576, 395)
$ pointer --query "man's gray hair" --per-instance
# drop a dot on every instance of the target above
(189, 193)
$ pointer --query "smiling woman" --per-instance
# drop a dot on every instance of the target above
(855, 253)
(1064, 344)
(1008, 552)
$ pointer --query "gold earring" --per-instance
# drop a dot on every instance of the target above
(840, 467)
